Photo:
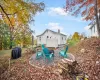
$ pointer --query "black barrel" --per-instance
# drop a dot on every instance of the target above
(19, 51)
(16, 53)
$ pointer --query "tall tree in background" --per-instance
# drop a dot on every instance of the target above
(88, 9)
(76, 36)
(22, 35)
(18, 12)
(4, 36)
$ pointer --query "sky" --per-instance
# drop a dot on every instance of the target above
(54, 17)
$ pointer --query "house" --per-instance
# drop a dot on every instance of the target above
(51, 38)
(94, 31)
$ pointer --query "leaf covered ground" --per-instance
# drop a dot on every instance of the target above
(87, 53)
(21, 70)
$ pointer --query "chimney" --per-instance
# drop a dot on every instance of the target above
(58, 30)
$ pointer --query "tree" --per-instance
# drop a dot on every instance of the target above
(35, 42)
(4, 36)
(23, 35)
(88, 9)
(76, 36)
(18, 12)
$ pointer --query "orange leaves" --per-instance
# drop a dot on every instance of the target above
(89, 13)
(99, 3)
(18, 12)
(91, 10)
(83, 7)
(84, 12)
(80, 1)
(12, 19)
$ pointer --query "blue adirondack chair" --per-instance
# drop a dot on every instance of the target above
(48, 56)
(63, 53)
(39, 54)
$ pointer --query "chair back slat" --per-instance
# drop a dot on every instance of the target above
(42, 46)
(46, 51)
(66, 49)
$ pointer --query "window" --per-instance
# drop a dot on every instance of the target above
(40, 38)
(94, 29)
(47, 36)
(62, 38)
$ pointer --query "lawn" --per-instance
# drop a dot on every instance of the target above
(8, 52)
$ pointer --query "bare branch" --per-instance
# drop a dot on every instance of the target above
(6, 15)
(13, 13)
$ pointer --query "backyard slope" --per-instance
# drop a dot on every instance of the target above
(87, 53)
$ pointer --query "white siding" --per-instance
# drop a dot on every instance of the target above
(62, 39)
(50, 37)
(52, 43)
(94, 31)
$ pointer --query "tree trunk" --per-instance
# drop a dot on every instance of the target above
(11, 38)
(10, 42)
(32, 41)
(97, 19)
(0, 43)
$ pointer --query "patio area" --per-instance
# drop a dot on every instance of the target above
(42, 62)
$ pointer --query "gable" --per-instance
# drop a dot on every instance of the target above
(51, 32)
(42, 33)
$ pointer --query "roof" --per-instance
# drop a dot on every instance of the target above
(51, 31)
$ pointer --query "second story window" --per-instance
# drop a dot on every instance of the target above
(47, 36)
(40, 38)
(62, 38)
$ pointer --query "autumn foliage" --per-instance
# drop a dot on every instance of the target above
(84, 7)
(76, 36)
(15, 12)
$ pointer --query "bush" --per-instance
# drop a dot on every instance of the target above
(72, 42)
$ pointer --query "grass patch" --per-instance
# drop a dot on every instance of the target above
(8, 52)
(4, 59)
